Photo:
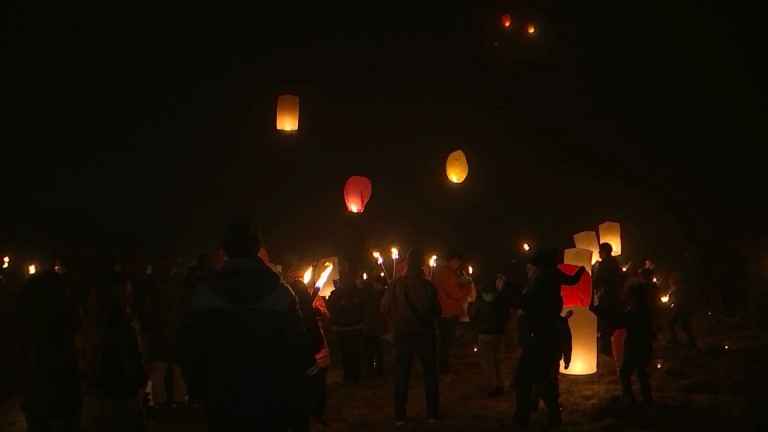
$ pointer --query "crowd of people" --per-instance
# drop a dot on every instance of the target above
(250, 345)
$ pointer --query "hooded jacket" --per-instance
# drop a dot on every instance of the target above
(243, 346)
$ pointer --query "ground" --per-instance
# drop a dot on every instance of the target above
(712, 388)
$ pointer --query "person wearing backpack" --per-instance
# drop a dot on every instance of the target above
(346, 307)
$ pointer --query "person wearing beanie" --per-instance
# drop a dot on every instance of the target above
(453, 290)
(540, 305)
(411, 303)
(243, 348)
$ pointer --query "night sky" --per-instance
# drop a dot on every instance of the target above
(147, 128)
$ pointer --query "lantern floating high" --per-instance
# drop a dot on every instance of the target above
(357, 191)
(288, 113)
(456, 167)
(531, 29)
(506, 20)
(610, 232)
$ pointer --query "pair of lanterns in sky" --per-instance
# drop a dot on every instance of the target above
(506, 22)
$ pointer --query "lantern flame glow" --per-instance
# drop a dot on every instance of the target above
(506, 20)
(32, 269)
(324, 275)
(526, 247)
(531, 29)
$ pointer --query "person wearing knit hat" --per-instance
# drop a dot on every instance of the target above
(540, 305)
(411, 303)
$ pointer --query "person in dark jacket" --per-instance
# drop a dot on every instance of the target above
(682, 300)
(541, 304)
(114, 376)
(346, 307)
(565, 355)
(638, 344)
(46, 320)
(243, 349)
(607, 282)
(411, 303)
(375, 325)
(490, 313)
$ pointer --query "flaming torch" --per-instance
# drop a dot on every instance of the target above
(432, 264)
(380, 261)
(308, 275)
(395, 256)
(6, 262)
(321, 280)
(32, 269)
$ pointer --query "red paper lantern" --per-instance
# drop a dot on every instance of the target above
(579, 294)
(506, 20)
(357, 191)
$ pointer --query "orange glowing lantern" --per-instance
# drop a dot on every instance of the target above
(288, 113)
(506, 20)
(357, 191)
(456, 167)
(531, 29)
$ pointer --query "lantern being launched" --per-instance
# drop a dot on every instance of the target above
(357, 192)
(610, 232)
(456, 167)
(288, 113)
(583, 323)
(588, 240)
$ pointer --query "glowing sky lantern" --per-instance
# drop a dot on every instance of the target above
(456, 167)
(506, 20)
(610, 232)
(32, 269)
(531, 29)
(587, 240)
(357, 192)
(288, 113)
(583, 323)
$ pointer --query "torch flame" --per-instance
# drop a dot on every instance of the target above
(470, 269)
(433, 261)
(395, 253)
(324, 275)
(526, 246)
(665, 298)
(365, 276)
(378, 257)
(6, 261)
(32, 269)
(308, 275)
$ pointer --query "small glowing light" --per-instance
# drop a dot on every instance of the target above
(709, 313)
(625, 268)
(308, 275)
(6, 261)
(353, 208)
(655, 280)
(433, 261)
(531, 29)
(506, 20)
(395, 253)
(659, 364)
(381, 274)
(470, 269)
(665, 298)
(726, 347)
(365, 276)
(32, 269)
(454, 178)
(526, 246)
(474, 348)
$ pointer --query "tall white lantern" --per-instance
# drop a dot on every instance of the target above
(610, 232)
(287, 113)
(588, 240)
(583, 323)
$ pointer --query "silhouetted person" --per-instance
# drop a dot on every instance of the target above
(453, 289)
(606, 282)
(490, 313)
(541, 304)
(411, 303)
(565, 355)
(163, 321)
(243, 348)
(111, 363)
(638, 344)
(682, 301)
(375, 325)
(46, 321)
(316, 342)
(347, 305)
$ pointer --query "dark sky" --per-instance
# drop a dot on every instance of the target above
(148, 127)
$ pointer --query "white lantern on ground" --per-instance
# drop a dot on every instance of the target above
(583, 323)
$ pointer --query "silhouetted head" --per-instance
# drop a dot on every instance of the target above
(416, 258)
(605, 250)
(454, 258)
(542, 258)
(646, 274)
(637, 295)
(239, 241)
